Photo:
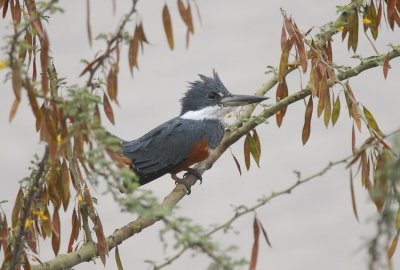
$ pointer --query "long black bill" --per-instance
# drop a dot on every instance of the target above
(240, 100)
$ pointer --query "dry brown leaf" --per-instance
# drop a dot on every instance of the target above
(246, 152)
(281, 93)
(386, 66)
(108, 109)
(254, 251)
(168, 26)
(55, 237)
(237, 163)
(307, 121)
(112, 83)
(133, 50)
(32, 100)
(264, 231)
(283, 64)
(101, 240)
(88, 26)
(353, 140)
(323, 92)
(5, 7)
(13, 111)
(44, 62)
(353, 197)
(283, 37)
(190, 19)
(393, 245)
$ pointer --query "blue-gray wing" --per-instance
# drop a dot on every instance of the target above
(163, 149)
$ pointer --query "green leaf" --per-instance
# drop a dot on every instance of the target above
(336, 111)
(352, 21)
(257, 142)
(371, 121)
(255, 151)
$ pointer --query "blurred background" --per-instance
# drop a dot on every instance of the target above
(312, 228)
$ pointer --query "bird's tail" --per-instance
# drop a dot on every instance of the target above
(120, 159)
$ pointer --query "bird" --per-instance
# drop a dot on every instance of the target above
(189, 138)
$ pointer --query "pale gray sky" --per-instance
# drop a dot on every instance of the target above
(313, 228)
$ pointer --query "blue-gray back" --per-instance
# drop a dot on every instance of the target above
(166, 147)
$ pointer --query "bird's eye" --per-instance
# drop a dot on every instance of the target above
(212, 95)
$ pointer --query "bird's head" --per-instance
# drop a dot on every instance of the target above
(208, 98)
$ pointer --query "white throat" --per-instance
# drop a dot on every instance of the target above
(211, 112)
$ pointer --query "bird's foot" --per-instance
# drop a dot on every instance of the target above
(195, 173)
(183, 180)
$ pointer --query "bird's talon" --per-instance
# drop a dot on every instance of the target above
(195, 173)
(186, 186)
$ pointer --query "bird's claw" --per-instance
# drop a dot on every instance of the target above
(183, 179)
(187, 186)
(195, 173)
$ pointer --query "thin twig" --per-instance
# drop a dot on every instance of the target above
(199, 245)
(372, 43)
(110, 44)
(238, 214)
(26, 26)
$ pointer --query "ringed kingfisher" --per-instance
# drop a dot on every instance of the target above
(181, 142)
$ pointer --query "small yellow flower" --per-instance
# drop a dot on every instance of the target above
(3, 64)
(59, 140)
(40, 214)
(366, 21)
(28, 223)
(79, 197)
(341, 29)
